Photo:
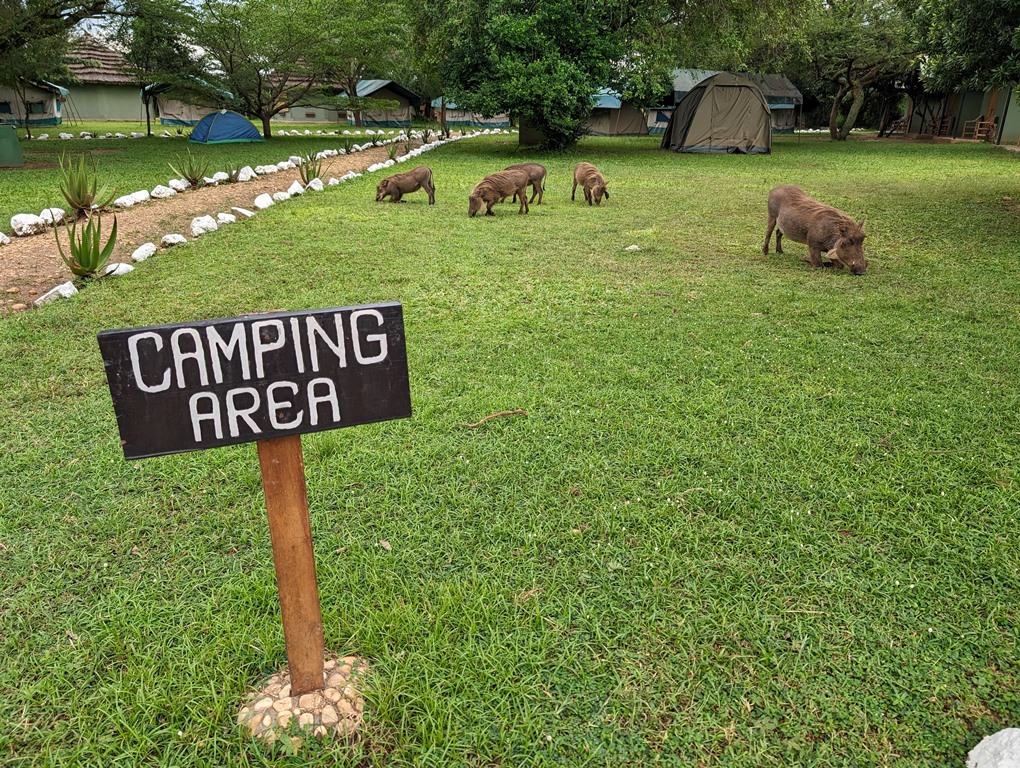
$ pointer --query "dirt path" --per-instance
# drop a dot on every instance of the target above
(30, 266)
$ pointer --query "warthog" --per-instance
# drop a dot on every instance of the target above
(588, 176)
(400, 184)
(536, 177)
(497, 187)
(823, 228)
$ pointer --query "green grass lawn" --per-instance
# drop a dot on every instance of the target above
(757, 514)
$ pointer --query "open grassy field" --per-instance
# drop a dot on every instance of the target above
(756, 515)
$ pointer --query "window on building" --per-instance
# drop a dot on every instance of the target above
(36, 107)
(5, 108)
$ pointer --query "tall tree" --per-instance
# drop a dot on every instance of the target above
(974, 43)
(854, 46)
(265, 52)
(24, 21)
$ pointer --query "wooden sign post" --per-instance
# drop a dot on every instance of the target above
(267, 378)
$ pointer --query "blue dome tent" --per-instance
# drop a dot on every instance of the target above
(223, 127)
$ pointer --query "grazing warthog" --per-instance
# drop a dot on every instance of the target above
(588, 176)
(536, 177)
(823, 228)
(497, 187)
(400, 184)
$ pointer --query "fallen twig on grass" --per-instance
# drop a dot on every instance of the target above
(517, 412)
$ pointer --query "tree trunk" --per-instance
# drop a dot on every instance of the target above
(267, 131)
(834, 113)
(855, 110)
(148, 118)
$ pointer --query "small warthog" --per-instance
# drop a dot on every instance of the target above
(497, 187)
(401, 184)
(588, 176)
(536, 177)
(823, 228)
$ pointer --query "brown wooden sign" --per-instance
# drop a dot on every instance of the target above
(200, 385)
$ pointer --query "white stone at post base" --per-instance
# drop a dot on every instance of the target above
(246, 174)
(296, 189)
(25, 224)
(62, 291)
(263, 201)
(200, 225)
(243, 212)
(52, 216)
(225, 218)
(315, 185)
(281, 196)
(117, 269)
(1000, 750)
(169, 241)
(142, 252)
(178, 184)
(160, 192)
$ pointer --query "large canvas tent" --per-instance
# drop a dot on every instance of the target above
(398, 117)
(614, 117)
(458, 117)
(43, 107)
(224, 127)
(723, 114)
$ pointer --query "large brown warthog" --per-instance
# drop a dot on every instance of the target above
(823, 228)
(497, 187)
(401, 184)
(588, 176)
(536, 177)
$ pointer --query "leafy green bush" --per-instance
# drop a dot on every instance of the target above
(191, 169)
(86, 255)
(78, 186)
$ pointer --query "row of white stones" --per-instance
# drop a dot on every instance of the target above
(201, 225)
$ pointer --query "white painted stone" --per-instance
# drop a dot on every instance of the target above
(142, 252)
(160, 192)
(62, 291)
(137, 135)
(124, 201)
(66, 136)
(118, 269)
(333, 181)
(4, 240)
(281, 196)
(141, 196)
(246, 174)
(169, 241)
(347, 133)
(221, 176)
(84, 135)
(178, 184)
(1000, 750)
(225, 218)
(632, 248)
(120, 135)
(165, 135)
(285, 165)
(243, 212)
(52, 216)
(263, 169)
(25, 224)
(295, 159)
(402, 159)
(42, 137)
(374, 167)
(295, 189)
(263, 201)
(209, 181)
(200, 225)
(315, 185)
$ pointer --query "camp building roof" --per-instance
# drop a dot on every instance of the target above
(94, 63)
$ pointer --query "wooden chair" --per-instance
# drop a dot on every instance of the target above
(980, 129)
(897, 126)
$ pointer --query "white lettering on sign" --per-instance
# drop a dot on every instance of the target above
(375, 338)
(136, 364)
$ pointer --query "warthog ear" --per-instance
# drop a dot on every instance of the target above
(862, 222)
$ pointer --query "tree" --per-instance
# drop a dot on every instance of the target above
(854, 46)
(267, 53)
(972, 44)
(364, 37)
(24, 21)
(42, 59)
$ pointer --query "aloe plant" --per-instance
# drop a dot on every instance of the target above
(309, 168)
(191, 170)
(391, 151)
(346, 143)
(78, 186)
(86, 255)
